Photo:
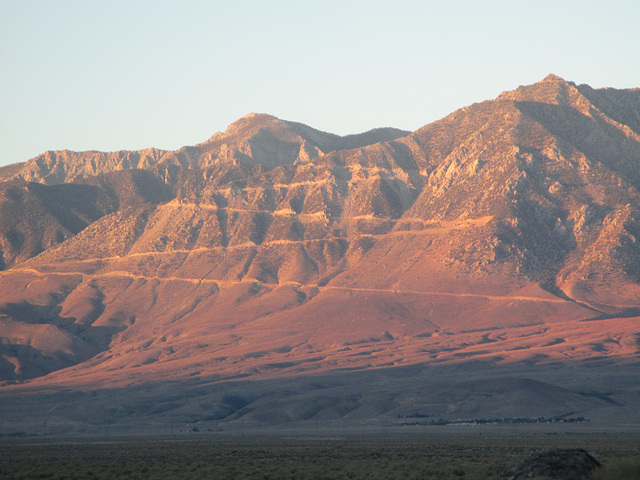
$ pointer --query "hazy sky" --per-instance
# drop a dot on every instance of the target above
(111, 74)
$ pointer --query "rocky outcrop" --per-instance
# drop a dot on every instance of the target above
(556, 464)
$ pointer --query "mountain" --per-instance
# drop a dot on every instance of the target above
(35, 218)
(256, 139)
(499, 240)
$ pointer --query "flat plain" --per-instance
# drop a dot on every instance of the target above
(416, 453)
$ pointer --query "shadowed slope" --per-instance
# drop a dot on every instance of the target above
(34, 217)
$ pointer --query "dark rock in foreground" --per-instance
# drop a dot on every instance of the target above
(559, 464)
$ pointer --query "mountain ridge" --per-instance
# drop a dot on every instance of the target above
(54, 167)
(503, 234)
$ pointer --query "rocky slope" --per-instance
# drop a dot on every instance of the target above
(505, 232)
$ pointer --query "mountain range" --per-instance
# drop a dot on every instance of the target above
(487, 264)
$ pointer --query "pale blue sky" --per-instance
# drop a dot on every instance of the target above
(110, 75)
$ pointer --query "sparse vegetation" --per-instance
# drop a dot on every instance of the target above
(619, 469)
(294, 458)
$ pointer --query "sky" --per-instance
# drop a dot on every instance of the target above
(125, 75)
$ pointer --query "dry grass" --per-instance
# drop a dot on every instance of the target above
(294, 458)
(620, 469)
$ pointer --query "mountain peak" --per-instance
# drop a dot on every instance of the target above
(269, 140)
(552, 89)
(552, 77)
(256, 119)
(248, 123)
(258, 115)
(260, 138)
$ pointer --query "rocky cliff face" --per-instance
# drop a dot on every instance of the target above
(274, 249)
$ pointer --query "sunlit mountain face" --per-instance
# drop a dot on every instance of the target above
(486, 258)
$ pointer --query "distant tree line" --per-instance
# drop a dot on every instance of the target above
(493, 421)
